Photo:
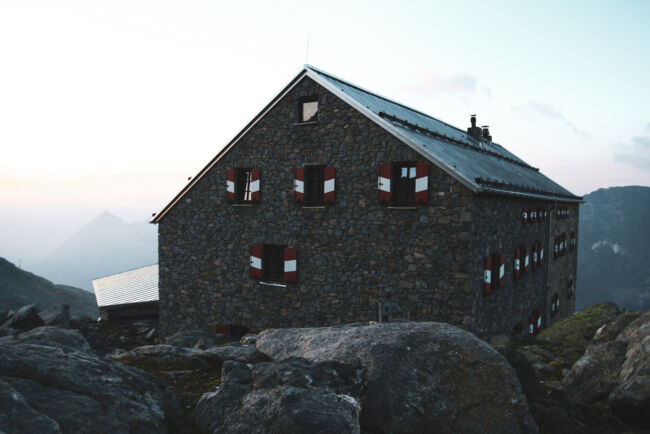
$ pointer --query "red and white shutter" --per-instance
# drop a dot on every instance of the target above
(328, 187)
(256, 261)
(384, 184)
(535, 256)
(524, 216)
(255, 185)
(299, 185)
(487, 275)
(526, 260)
(502, 270)
(556, 248)
(541, 253)
(230, 185)
(517, 263)
(531, 324)
(539, 319)
(421, 183)
(290, 265)
(557, 302)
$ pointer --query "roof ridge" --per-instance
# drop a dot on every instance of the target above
(320, 71)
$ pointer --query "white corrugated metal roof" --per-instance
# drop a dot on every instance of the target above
(134, 286)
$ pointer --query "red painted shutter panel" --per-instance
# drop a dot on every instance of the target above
(421, 183)
(256, 261)
(329, 187)
(541, 253)
(502, 270)
(255, 185)
(487, 275)
(524, 216)
(384, 184)
(299, 185)
(230, 185)
(517, 263)
(290, 265)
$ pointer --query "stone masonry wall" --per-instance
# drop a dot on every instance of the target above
(350, 255)
(564, 268)
(498, 227)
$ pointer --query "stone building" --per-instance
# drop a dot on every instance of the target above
(335, 204)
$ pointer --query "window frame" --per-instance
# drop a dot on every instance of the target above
(275, 253)
(396, 199)
(301, 107)
(238, 188)
(311, 171)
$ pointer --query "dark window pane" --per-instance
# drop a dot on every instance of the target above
(314, 185)
(403, 185)
(273, 262)
(243, 185)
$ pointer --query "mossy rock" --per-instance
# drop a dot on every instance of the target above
(570, 337)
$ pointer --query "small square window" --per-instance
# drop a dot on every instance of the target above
(308, 110)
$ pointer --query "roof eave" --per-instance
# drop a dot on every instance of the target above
(548, 197)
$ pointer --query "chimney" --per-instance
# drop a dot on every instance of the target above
(474, 131)
(486, 133)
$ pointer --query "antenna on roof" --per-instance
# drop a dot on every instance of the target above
(307, 54)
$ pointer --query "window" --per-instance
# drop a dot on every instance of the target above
(243, 185)
(403, 184)
(403, 178)
(555, 304)
(273, 263)
(314, 185)
(493, 273)
(308, 109)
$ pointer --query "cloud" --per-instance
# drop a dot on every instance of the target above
(542, 109)
(428, 82)
(636, 153)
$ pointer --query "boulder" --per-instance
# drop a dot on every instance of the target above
(56, 316)
(286, 396)
(196, 339)
(421, 376)
(570, 337)
(615, 370)
(17, 416)
(5, 315)
(190, 358)
(66, 339)
(26, 318)
(78, 321)
(75, 391)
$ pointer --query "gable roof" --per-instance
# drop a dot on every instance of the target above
(134, 286)
(482, 166)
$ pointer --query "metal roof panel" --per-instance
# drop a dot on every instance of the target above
(134, 286)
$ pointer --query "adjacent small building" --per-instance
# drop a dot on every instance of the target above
(131, 295)
(335, 204)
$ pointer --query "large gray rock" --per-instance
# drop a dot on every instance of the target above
(287, 396)
(65, 339)
(196, 339)
(17, 416)
(192, 358)
(26, 318)
(422, 376)
(615, 369)
(79, 391)
(56, 316)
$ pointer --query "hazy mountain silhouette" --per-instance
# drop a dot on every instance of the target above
(19, 287)
(107, 245)
(614, 248)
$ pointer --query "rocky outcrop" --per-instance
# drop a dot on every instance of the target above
(615, 369)
(55, 383)
(421, 376)
(196, 339)
(56, 316)
(25, 318)
(287, 396)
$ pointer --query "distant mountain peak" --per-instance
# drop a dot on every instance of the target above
(107, 216)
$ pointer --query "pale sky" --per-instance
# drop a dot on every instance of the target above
(112, 105)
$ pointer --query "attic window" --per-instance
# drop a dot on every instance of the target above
(404, 180)
(308, 109)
